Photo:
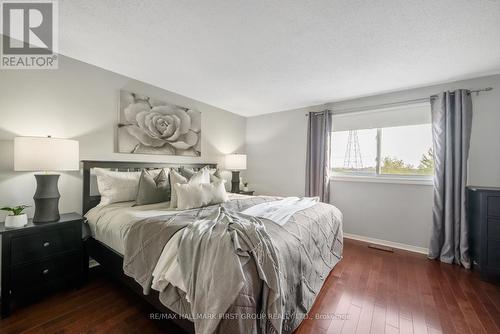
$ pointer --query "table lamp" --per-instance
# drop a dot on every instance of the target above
(46, 154)
(235, 163)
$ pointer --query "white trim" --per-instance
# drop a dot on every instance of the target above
(421, 181)
(392, 244)
(423, 102)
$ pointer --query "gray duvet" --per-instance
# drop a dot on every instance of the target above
(307, 247)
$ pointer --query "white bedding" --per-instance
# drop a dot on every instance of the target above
(167, 270)
(110, 223)
(281, 211)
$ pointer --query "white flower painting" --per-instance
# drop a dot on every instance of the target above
(150, 126)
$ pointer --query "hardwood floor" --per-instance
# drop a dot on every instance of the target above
(370, 291)
(402, 292)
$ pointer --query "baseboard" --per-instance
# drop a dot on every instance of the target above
(392, 244)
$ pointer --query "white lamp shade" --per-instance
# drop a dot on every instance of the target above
(45, 154)
(236, 162)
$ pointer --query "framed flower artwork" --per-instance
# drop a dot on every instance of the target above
(151, 126)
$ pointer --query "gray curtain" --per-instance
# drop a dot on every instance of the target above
(319, 135)
(451, 128)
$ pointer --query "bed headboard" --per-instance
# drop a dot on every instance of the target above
(89, 201)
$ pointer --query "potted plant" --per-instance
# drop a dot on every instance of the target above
(245, 186)
(16, 218)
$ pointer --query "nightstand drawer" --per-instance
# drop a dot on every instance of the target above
(494, 229)
(37, 259)
(38, 275)
(493, 261)
(494, 206)
(39, 245)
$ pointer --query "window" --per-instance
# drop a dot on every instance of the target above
(406, 150)
(394, 142)
(355, 151)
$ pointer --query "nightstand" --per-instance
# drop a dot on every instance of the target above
(249, 192)
(40, 258)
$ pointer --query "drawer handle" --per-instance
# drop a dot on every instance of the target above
(45, 271)
(46, 244)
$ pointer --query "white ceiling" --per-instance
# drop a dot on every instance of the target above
(256, 56)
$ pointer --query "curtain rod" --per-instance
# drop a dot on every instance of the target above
(394, 104)
(476, 91)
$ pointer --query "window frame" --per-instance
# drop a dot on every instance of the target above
(378, 177)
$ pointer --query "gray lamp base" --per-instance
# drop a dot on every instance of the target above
(46, 198)
(235, 182)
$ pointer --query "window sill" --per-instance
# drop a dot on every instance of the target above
(421, 181)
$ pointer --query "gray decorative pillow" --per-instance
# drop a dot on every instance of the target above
(189, 172)
(153, 189)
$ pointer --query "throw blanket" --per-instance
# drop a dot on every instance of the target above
(308, 246)
(212, 253)
(167, 270)
(281, 211)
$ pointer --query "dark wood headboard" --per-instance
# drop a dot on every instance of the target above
(89, 201)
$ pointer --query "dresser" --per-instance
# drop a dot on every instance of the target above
(484, 225)
(40, 258)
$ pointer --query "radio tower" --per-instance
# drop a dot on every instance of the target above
(352, 158)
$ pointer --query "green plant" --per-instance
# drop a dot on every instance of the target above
(16, 210)
(245, 184)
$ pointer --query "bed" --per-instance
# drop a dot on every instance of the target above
(307, 247)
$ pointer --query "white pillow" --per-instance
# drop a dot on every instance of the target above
(202, 176)
(215, 175)
(190, 196)
(117, 186)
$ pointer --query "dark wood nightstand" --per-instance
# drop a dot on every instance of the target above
(249, 192)
(39, 258)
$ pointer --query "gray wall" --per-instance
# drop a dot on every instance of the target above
(80, 101)
(394, 212)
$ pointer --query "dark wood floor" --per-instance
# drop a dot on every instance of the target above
(370, 291)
